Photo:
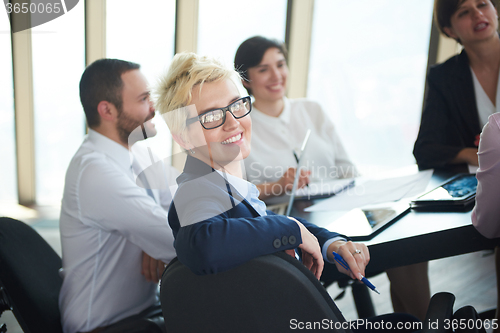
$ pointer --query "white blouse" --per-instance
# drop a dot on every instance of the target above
(485, 107)
(274, 140)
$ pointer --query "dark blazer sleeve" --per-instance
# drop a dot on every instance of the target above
(225, 238)
(450, 120)
(322, 234)
(224, 242)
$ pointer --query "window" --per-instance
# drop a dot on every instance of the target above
(58, 63)
(144, 34)
(8, 184)
(220, 32)
(367, 70)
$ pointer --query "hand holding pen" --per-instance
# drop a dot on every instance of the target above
(343, 263)
(304, 175)
(286, 181)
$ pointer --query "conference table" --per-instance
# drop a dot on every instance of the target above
(416, 237)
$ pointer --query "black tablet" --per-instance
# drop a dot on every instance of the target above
(456, 194)
(362, 224)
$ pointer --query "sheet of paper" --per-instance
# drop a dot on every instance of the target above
(373, 191)
(315, 189)
(324, 187)
(472, 168)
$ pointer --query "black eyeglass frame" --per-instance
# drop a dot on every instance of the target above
(192, 120)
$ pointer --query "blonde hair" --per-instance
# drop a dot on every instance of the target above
(173, 92)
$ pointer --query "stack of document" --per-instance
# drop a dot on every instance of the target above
(374, 191)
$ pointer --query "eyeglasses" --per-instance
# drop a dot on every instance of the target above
(215, 118)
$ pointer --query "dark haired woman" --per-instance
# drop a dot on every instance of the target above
(462, 91)
(280, 124)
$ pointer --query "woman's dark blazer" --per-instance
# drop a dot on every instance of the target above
(216, 229)
(450, 120)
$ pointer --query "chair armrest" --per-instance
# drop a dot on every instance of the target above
(468, 316)
(440, 308)
(148, 321)
(142, 325)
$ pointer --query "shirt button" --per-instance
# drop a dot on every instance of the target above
(277, 243)
(292, 240)
(284, 240)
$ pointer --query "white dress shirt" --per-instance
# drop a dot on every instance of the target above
(274, 139)
(106, 222)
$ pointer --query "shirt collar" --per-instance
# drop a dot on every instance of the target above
(286, 114)
(110, 148)
(194, 168)
(247, 190)
(241, 185)
(284, 117)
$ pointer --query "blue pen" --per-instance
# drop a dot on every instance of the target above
(344, 264)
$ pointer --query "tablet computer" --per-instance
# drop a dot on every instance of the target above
(456, 194)
(364, 223)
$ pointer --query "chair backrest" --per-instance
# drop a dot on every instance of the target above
(273, 293)
(29, 276)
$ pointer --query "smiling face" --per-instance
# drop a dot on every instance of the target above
(137, 108)
(474, 21)
(268, 79)
(224, 144)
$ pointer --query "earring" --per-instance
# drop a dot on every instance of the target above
(191, 150)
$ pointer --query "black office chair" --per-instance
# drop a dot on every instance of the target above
(30, 284)
(254, 297)
(262, 295)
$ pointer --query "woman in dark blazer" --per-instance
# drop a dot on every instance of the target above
(451, 121)
(216, 217)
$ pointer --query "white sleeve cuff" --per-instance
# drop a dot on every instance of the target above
(325, 247)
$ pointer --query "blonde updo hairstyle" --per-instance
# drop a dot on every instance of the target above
(173, 91)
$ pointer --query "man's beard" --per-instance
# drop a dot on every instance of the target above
(125, 125)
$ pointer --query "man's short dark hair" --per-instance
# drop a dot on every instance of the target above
(101, 81)
(251, 52)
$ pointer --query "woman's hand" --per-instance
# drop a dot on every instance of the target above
(311, 252)
(286, 182)
(466, 155)
(356, 255)
(283, 185)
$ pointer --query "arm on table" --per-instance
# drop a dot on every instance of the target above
(433, 147)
